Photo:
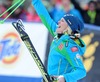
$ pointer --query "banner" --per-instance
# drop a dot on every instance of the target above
(16, 63)
(91, 57)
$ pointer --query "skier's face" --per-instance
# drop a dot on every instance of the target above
(62, 26)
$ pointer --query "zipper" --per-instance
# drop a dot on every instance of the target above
(66, 68)
(59, 66)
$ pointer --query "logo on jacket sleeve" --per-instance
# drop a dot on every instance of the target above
(74, 49)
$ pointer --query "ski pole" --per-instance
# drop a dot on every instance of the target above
(20, 3)
(9, 8)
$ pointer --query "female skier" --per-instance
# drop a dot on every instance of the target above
(64, 60)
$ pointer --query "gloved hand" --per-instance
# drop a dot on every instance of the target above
(61, 79)
(58, 78)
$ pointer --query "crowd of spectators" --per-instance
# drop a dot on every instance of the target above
(89, 13)
(25, 13)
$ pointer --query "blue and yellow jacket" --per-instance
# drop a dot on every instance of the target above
(64, 57)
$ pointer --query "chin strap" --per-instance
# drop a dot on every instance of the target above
(76, 35)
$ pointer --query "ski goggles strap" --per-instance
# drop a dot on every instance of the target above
(19, 2)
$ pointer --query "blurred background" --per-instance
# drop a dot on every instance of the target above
(16, 63)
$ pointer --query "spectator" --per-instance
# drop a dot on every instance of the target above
(20, 13)
(67, 8)
(32, 15)
(4, 7)
(91, 15)
(55, 11)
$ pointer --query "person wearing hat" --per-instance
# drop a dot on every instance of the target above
(64, 62)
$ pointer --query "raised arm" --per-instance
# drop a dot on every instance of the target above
(44, 16)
